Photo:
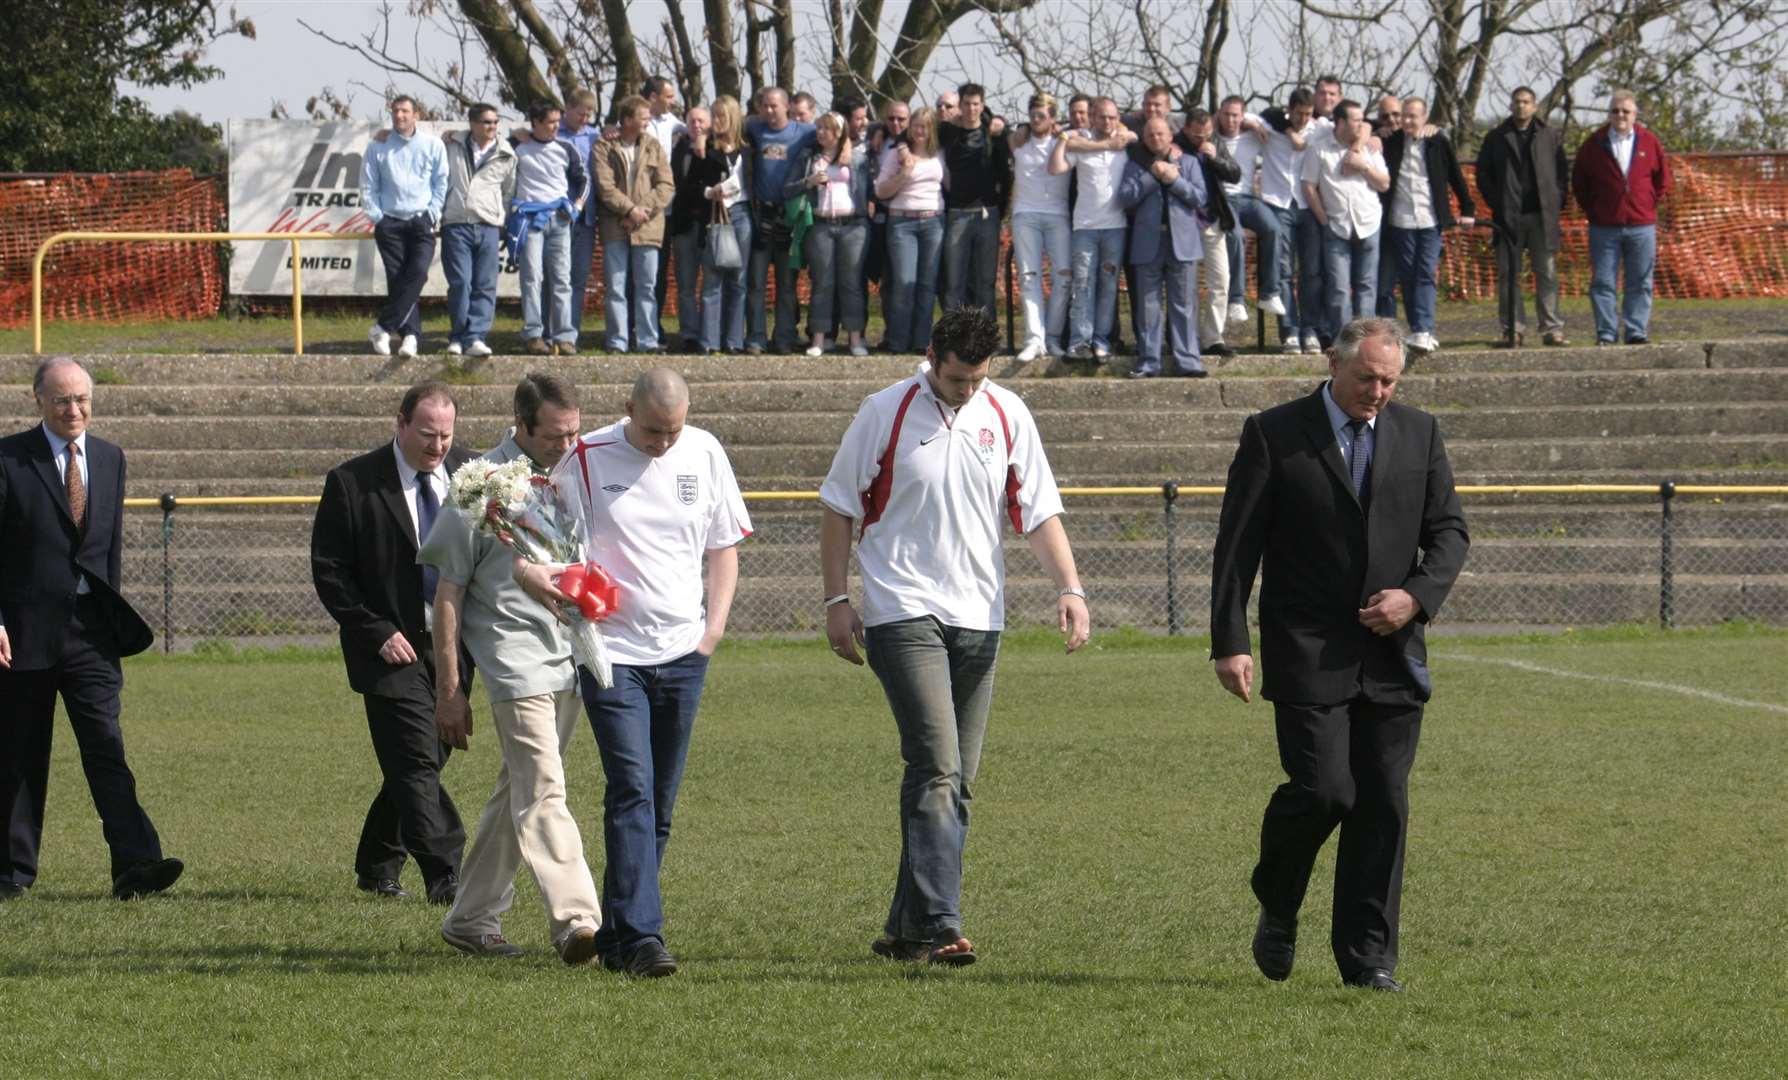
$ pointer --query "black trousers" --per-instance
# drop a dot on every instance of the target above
(1346, 765)
(407, 249)
(412, 814)
(89, 679)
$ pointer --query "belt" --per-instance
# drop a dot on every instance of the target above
(838, 217)
(912, 215)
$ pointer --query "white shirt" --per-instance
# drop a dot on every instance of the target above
(1282, 164)
(1035, 190)
(924, 186)
(59, 454)
(650, 522)
(1352, 206)
(665, 129)
(931, 534)
(412, 484)
(1247, 149)
(1622, 145)
(1099, 174)
(1412, 204)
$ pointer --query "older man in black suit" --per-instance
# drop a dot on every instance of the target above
(63, 629)
(363, 546)
(1348, 501)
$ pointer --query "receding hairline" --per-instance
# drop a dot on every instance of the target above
(52, 365)
(659, 388)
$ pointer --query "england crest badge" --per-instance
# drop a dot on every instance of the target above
(686, 489)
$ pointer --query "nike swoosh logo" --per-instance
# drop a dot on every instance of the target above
(931, 439)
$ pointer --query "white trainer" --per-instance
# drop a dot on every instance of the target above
(477, 348)
(1031, 352)
(1238, 312)
(1292, 347)
(815, 350)
(1100, 352)
(1272, 305)
(381, 341)
(453, 349)
(408, 348)
(859, 350)
(1312, 345)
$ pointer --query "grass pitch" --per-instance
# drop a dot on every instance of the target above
(1596, 885)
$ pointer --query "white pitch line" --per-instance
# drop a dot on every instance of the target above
(1643, 684)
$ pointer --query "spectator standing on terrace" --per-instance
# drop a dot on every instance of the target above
(1165, 198)
(948, 106)
(1216, 222)
(1523, 176)
(1041, 228)
(1421, 169)
(803, 108)
(910, 181)
(720, 168)
(774, 142)
(480, 187)
(633, 179)
(1342, 181)
(978, 171)
(550, 189)
(891, 128)
(403, 187)
(661, 96)
(833, 175)
(1247, 148)
(575, 128)
(1100, 227)
(1620, 177)
(1286, 133)
(687, 224)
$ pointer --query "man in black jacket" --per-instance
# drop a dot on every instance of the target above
(1523, 177)
(1417, 210)
(979, 165)
(1195, 137)
(63, 628)
(375, 510)
(1346, 502)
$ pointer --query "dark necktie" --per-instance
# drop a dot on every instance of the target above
(1359, 457)
(426, 507)
(77, 487)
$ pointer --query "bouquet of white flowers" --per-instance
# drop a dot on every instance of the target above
(528, 513)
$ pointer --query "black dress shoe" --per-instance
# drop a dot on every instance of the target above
(1376, 979)
(1275, 946)
(144, 879)
(649, 960)
(1219, 349)
(1198, 373)
(1638, 341)
(381, 886)
(11, 890)
(444, 890)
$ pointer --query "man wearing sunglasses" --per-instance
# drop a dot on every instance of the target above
(1620, 177)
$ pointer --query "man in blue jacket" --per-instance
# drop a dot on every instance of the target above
(403, 185)
(1164, 199)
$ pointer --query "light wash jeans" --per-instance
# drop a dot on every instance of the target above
(1262, 219)
(1614, 249)
(723, 291)
(630, 274)
(1350, 265)
(583, 256)
(546, 268)
(470, 256)
(834, 252)
(915, 250)
(1034, 236)
(1093, 313)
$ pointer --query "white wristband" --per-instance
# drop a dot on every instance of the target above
(841, 598)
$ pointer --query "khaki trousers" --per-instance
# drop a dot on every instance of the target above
(1213, 312)
(527, 822)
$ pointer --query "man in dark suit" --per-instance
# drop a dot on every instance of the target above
(1348, 502)
(63, 629)
(363, 563)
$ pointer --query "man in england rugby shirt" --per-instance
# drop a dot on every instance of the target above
(933, 468)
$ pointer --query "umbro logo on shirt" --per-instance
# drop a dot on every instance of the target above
(614, 489)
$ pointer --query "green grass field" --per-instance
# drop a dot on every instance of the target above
(1596, 885)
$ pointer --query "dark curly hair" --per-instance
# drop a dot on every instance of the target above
(967, 333)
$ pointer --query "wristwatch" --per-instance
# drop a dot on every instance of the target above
(1073, 590)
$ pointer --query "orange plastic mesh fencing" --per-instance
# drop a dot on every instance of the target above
(82, 280)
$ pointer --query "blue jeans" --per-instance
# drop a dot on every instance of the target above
(583, 256)
(1390, 274)
(1262, 219)
(1035, 235)
(686, 249)
(723, 292)
(834, 251)
(939, 683)
(1612, 249)
(642, 725)
(915, 248)
(770, 241)
(971, 258)
(470, 252)
(546, 268)
(1418, 270)
(1351, 269)
(1300, 262)
(630, 274)
(1093, 311)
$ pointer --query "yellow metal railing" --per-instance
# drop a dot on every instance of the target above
(183, 237)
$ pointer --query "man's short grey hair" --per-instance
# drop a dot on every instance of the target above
(1624, 95)
(1355, 334)
(659, 387)
(42, 374)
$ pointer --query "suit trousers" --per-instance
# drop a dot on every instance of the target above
(1346, 765)
(89, 679)
(1176, 320)
(412, 814)
(407, 248)
(1530, 236)
(526, 822)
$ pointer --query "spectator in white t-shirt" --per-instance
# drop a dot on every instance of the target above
(1285, 133)
(1040, 228)
(1097, 158)
(1253, 213)
(1343, 177)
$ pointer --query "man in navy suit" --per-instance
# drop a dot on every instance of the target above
(63, 629)
(1347, 502)
(1164, 198)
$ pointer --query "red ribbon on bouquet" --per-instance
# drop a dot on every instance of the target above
(591, 589)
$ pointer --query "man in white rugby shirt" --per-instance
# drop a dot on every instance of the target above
(658, 498)
(934, 467)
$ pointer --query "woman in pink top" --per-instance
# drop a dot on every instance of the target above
(834, 177)
(910, 183)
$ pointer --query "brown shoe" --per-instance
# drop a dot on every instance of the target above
(580, 947)
(564, 348)
(1556, 339)
(536, 347)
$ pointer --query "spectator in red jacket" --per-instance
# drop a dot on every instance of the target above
(1620, 175)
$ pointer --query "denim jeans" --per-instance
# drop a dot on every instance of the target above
(971, 258)
(1034, 236)
(470, 252)
(1614, 249)
(1351, 269)
(939, 683)
(686, 249)
(1093, 312)
(915, 248)
(723, 292)
(1306, 241)
(642, 724)
(406, 248)
(629, 274)
(545, 266)
(583, 256)
(1262, 219)
(1390, 275)
(834, 251)
(1418, 268)
(769, 249)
